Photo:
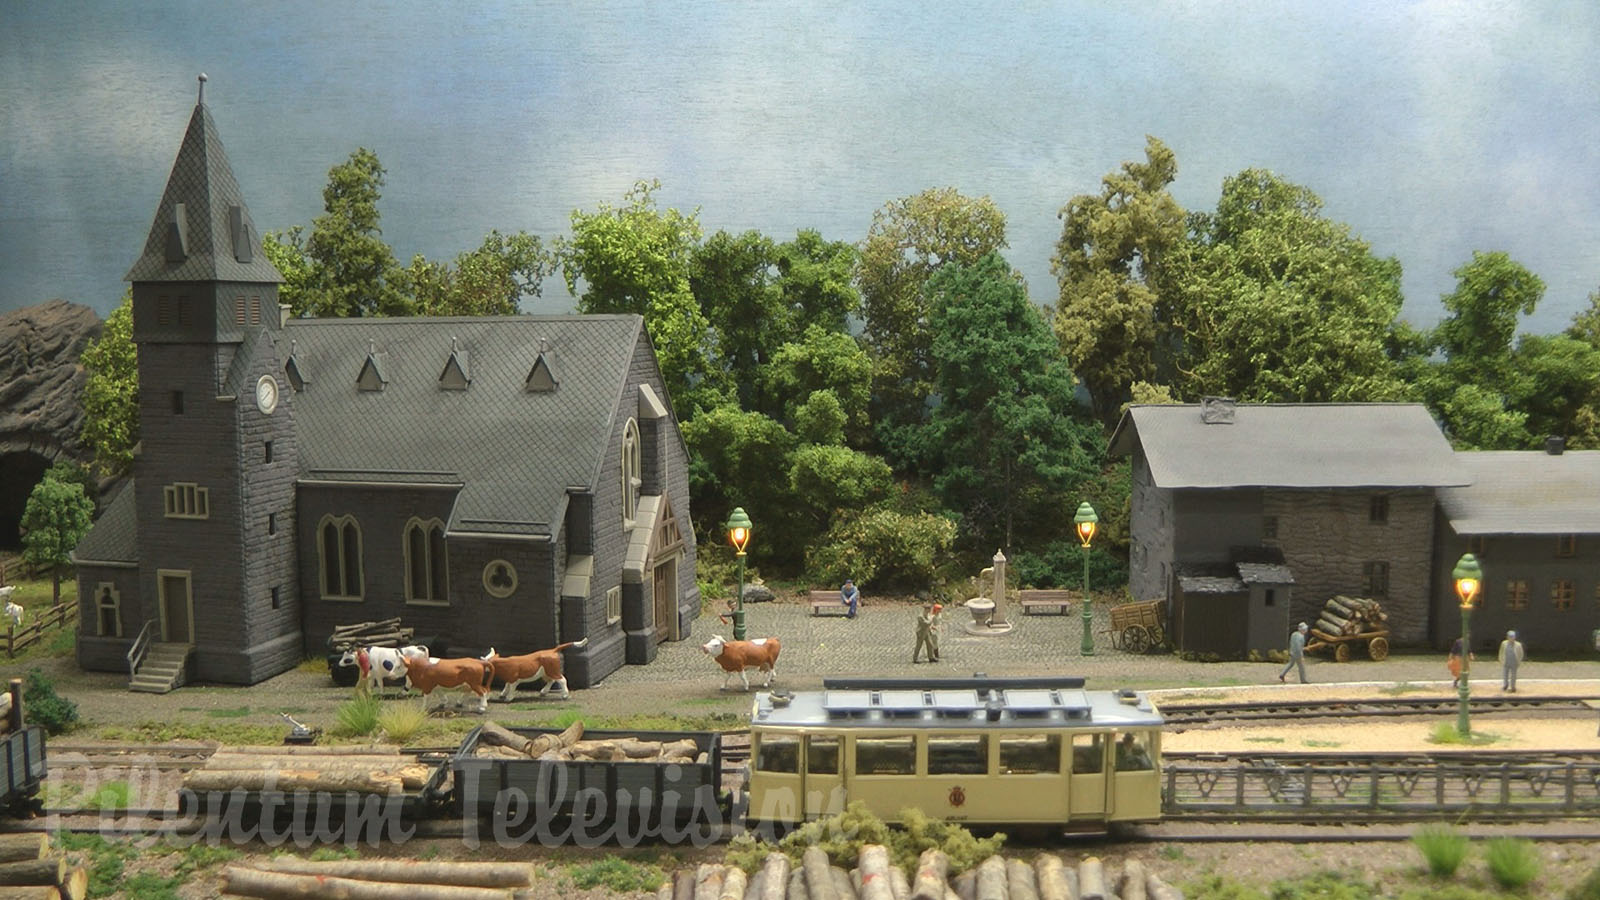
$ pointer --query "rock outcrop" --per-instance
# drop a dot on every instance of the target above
(41, 379)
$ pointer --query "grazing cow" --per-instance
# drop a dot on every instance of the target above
(380, 663)
(14, 611)
(736, 656)
(541, 664)
(469, 674)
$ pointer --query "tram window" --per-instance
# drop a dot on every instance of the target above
(886, 756)
(1132, 754)
(778, 753)
(822, 754)
(1088, 753)
(966, 754)
(1027, 754)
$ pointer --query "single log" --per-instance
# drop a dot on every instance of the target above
(796, 887)
(950, 893)
(636, 749)
(1091, 879)
(775, 877)
(819, 875)
(1020, 884)
(992, 879)
(412, 775)
(30, 892)
(933, 869)
(5, 710)
(683, 885)
(685, 747)
(461, 874)
(898, 884)
(966, 884)
(282, 886)
(567, 738)
(873, 862)
(1070, 873)
(1156, 889)
(841, 883)
(733, 884)
(75, 886)
(14, 847)
(295, 751)
(757, 888)
(33, 871)
(1132, 880)
(1050, 875)
(1340, 605)
(708, 882)
(664, 892)
(201, 780)
(495, 736)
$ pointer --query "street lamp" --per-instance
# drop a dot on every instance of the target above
(1086, 521)
(739, 535)
(1468, 576)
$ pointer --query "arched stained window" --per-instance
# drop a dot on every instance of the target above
(339, 549)
(426, 565)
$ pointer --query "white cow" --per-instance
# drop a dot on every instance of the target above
(379, 663)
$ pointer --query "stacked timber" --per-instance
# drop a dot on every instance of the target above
(379, 879)
(29, 870)
(1048, 877)
(501, 743)
(383, 633)
(1342, 616)
(363, 770)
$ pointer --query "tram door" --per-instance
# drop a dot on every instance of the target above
(775, 783)
(1089, 789)
(823, 786)
(1136, 783)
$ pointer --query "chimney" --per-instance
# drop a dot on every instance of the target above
(1217, 410)
(1555, 445)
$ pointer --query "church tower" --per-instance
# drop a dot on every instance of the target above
(215, 473)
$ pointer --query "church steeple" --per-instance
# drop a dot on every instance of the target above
(202, 230)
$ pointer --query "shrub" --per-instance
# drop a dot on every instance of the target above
(616, 874)
(884, 548)
(401, 721)
(1513, 862)
(1442, 847)
(359, 716)
(842, 837)
(40, 704)
(1060, 564)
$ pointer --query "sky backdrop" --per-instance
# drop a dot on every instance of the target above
(1432, 129)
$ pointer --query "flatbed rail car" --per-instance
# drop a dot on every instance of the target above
(1019, 751)
(647, 793)
(22, 758)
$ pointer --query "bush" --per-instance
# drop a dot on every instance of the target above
(359, 716)
(41, 705)
(1061, 565)
(1443, 847)
(401, 721)
(1513, 862)
(882, 548)
(842, 836)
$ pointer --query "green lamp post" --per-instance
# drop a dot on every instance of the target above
(1087, 521)
(1468, 576)
(739, 535)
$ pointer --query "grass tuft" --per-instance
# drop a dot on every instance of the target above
(402, 721)
(1513, 862)
(1446, 733)
(616, 874)
(358, 717)
(1443, 847)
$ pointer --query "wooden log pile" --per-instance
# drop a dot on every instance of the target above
(1048, 877)
(501, 743)
(1343, 616)
(30, 870)
(363, 770)
(383, 633)
(379, 879)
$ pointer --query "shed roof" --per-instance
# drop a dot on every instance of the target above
(1526, 492)
(1291, 445)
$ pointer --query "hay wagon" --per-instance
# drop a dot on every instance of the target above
(1139, 627)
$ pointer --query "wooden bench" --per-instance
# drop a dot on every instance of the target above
(827, 603)
(1040, 601)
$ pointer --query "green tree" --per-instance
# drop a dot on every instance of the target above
(344, 268)
(829, 479)
(635, 259)
(54, 520)
(111, 393)
(1272, 302)
(491, 280)
(1006, 437)
(823, 360)
(1107, 264)
(817, 280)
(286, 250)
(739, 458)
(734, 281)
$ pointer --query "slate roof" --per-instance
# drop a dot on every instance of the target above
(114, 536)
(203, 181)
(1526, 492)
(1292, 445)
(514, 451)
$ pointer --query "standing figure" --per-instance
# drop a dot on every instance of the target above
(1297, 652)
(1453, 663)
(933, 632)
(850, 597)
(1510, 659)
(925, 639)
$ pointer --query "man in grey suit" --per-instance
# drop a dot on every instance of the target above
(1510, 659)
(1297, 652)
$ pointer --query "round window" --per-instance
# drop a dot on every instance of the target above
(500, 578)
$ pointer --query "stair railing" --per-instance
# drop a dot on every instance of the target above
(141, 644)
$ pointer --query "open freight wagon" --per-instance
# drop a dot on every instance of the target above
(22, 756)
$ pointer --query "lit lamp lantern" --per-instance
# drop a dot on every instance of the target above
(1086, 522)
(739, 535)
(1468, 577)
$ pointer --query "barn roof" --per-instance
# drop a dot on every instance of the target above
(1291, 445)
(1525, 492)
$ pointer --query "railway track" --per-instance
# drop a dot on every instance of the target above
(1180, 715)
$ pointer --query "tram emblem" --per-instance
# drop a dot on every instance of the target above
(957, 796)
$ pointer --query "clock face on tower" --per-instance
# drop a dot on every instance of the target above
(267, 394)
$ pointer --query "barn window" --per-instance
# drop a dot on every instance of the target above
(1561, 593)
(613, 605)
(965, 754)
(108, 610)
(425, 562)
(1030, 754)
(1516, 594)
(1378, 510)
(1567, 545)
(339, 551)
(631, 471)
(1375, 578)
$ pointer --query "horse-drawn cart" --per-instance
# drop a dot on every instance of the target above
(1139, 627)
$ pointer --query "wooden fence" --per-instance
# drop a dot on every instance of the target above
(28, 635)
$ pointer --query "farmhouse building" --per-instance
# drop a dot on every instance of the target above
(512, 482)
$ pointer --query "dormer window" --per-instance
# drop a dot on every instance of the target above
(456, 375)
(291, 371)
(542, 377)
(372, 377)
(632, 477)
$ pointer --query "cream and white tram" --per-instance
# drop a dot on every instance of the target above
(1017, 751)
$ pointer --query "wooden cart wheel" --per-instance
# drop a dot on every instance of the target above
(1341, 652)
(1158, 637)
(1378, 649)
(1135, 640)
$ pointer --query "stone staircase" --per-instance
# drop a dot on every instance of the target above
(162, 668)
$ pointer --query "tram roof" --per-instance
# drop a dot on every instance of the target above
(941, 706)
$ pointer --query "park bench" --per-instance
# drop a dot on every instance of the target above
(827, 603)
(1044, 601)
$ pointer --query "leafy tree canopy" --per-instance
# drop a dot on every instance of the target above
(53, 521)
(491, 280)
(824, 360)
(111, 393)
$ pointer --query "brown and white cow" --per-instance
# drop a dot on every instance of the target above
(736, 656)
(540, 664)
(469, 674)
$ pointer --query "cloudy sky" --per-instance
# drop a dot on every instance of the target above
(1432, 128)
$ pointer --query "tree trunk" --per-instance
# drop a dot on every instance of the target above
(707, 882)
(493, 735)
(819, 875)
(567, 738)
(282, 886)
(733, 884)
(874, 864)
(30, 892)
(898, 883)
(461, 874)
(992, 879)
(775, 877)
(1091, 879)
(1156, 889)
(411, 776)
(14, 847)
(1019, 880)
(1050, 874)
(310, 780)
(1133, 880)
(75, 886)
(933, 869)
(33, 871)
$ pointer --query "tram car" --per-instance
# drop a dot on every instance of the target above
(983, 751)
